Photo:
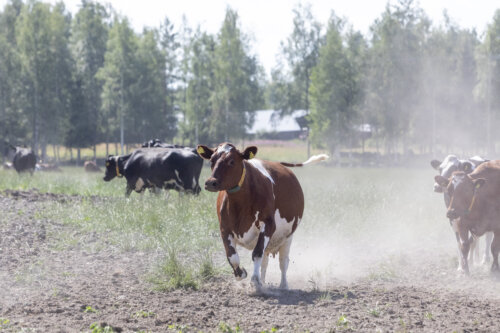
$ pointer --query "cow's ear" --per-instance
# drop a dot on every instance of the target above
(435, 164)
(443, 182)
(466, 167)
(250, 152)
(204, 151)
(479, 182)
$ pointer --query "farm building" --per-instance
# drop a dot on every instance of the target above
(269, 125)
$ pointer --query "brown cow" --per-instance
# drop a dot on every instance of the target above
(91, 166)
(259, 206)
(475, 205)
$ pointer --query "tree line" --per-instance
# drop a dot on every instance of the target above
(89, 78)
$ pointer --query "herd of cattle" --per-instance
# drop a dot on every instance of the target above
(260, 203)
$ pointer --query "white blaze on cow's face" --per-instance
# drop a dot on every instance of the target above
(227, 167)
(446, 168)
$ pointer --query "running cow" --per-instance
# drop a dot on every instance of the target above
(446, 168)
(475, 206)
(259, 206)
(157, 168)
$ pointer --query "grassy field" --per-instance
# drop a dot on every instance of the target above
(355, 221)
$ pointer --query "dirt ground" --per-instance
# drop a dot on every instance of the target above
(45, 287)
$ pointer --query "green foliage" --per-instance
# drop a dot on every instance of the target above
(335, 89)
(89, 309)
(237, 82)
(226, 328)
(97, 328)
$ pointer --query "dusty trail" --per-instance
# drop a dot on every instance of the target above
(46, 286)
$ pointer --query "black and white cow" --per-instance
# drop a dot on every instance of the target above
(450, 164)
(24, 159)
(157, 168)
(156, 143)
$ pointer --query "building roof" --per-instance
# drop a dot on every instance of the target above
(268, 121)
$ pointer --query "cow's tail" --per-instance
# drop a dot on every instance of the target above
(311, 160)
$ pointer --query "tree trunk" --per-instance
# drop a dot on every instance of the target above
(54, 152)
(107, 149)
(78, 157)
(71, 154)
(95, 155)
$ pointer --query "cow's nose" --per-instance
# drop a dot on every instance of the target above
(452, 214)
(438, 188)
(211, 185)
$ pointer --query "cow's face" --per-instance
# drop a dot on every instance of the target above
(110, 171)
(226, 163)
(461, 188)
(449, 165)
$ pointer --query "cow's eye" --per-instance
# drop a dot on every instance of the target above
(230, 163)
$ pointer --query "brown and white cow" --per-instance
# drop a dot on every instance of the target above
(91, 166)
(259, 206)
(475, 206)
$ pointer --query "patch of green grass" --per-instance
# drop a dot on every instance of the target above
(101, 328)
(343, 322)
(173, 275)
(89, 309)
(226, 328)
(375, 311)
(428, 315)
(4, 323)
(144, 314)
(178, 328)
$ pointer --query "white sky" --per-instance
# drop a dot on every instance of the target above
(270, 21)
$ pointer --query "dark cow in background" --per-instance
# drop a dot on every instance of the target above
(475, 206)
(91, 166)
(450, 164)
(156, 143)
(157, 168)
(24, 159)
(259, 206)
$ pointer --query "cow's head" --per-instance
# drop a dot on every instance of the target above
(462, 190)
(448, 166)
(111, 168)
(227, 165)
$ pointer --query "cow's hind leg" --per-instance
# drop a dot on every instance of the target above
(488, 239)
(266, 231)
(284, 260)
(263, 267)
(495, 249)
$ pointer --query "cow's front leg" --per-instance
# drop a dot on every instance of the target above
(464, 248)
(232, 256)
(128, 190)
(266, 231)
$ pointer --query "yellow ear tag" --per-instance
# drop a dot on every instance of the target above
(251, 155)
(107, 163)
(478, 185)
(200, 150)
